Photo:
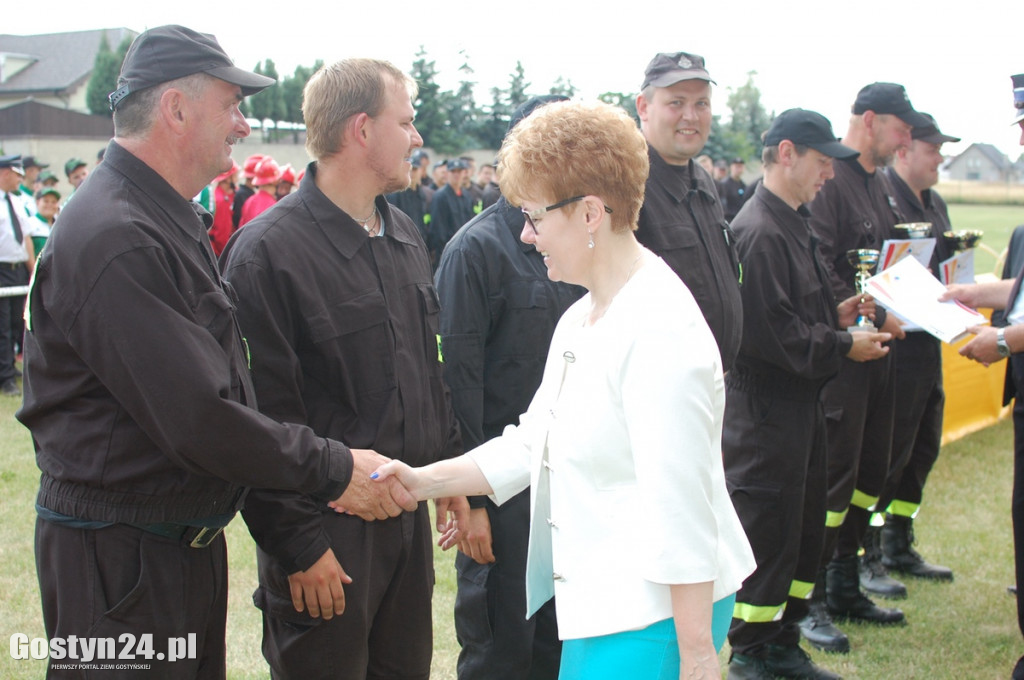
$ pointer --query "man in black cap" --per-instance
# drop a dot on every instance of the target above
(336, 300)
(451, 207)
(917, 366)
(414, 200)
(32, 169)
(498, 313)
(137, 386)
(732, 190)
(681, 219)
(856, 211)
(16, 258)
(990, 345)
(773, 442)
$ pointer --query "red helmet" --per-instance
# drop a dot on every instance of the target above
(288, 173)
(267, 172)
(250, 164)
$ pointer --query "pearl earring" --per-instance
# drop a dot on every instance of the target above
(590, 244)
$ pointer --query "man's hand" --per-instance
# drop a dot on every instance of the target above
(893, 327)
(982, 347)
(853, 307)
(966, 293)
(372, 500)
(868, 346)
(476, 537)
(452, 517)
(319, 590)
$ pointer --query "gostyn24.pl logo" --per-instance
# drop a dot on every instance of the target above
(126, 647)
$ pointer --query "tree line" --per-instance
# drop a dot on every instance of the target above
(452, 121)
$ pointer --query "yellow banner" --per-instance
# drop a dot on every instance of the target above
(974, 394)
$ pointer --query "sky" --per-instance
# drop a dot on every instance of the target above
(955, 62)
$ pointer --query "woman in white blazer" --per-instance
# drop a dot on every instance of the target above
(632, 530)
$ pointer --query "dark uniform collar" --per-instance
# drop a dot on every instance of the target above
(678, 180)
(857, 167)
(514, 221)
(788, 217)
(922, 203)
(340, 229)
(188, 215)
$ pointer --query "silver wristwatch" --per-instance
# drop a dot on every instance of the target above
(1001, 346)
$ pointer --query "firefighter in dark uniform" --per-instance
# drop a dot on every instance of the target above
(137, 389)
(917, 366)
(681, 220)
(498, 313)
(855, 211)
(733, 191)
(773, 441)
(991, 345)
(341, 315)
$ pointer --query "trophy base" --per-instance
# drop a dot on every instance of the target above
(867, 328)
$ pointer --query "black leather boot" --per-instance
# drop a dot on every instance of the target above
(817, 627)
(898, 554)
(777, 661)
(874, 577)
(793, 662)
(845, 600)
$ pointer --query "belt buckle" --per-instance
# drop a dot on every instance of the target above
(205, 537)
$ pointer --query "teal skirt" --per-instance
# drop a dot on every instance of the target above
(651, 653)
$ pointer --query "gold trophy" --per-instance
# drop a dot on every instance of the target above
(863, 261)
(912, 230)
(962, 240)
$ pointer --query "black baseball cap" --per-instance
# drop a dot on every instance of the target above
(807, 128)
(930, 133)
(456, 164)
(670, 68)
(531, 105)
(171, 52)
(1018, 97)
(31, 162)
(888, 98)
(738, 160)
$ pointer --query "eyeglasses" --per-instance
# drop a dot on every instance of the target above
(534, 216)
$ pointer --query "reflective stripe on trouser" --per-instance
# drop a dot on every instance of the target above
(917, 424)
(903, 509)
(859, 405)
(775, 469)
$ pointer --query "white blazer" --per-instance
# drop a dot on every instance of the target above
(621, 446)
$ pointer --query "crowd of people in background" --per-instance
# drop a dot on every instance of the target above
(376, 311)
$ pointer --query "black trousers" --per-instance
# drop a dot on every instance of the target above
(859, 405)
(775, 456)
(122, 581)
(498, 641)
(386, 632)
(12, 309)
(917, 423)
(1017, 503)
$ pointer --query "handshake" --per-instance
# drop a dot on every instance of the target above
(382, 488)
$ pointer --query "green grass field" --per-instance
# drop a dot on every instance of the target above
(966, 629)
(997, 221)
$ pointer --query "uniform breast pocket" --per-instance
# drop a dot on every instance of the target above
(528, 312)
(681, 249)
(214, 312)
(353, 340)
